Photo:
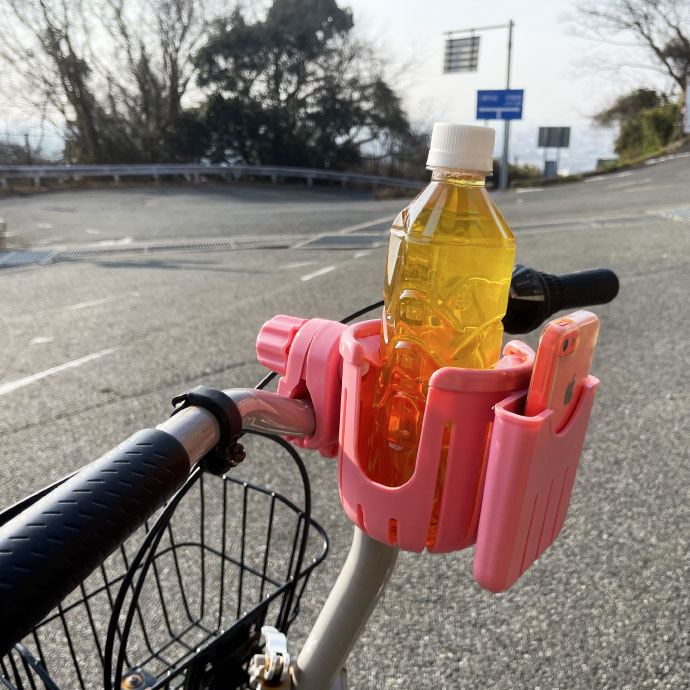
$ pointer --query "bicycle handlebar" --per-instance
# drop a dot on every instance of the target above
(57, 542)
(47, 550)
(535, 296)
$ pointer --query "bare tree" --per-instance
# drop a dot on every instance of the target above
(662, 27)
(114, 71)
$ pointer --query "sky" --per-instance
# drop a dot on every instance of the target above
(566, 77)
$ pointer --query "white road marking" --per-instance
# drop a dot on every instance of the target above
(622, 185)
(670, 157)
(111, 243)
(92, 303)
(39, 340)
(315, 274)
(609, 176)
(92, 231)
(299, 264)
(10, 386)
(362, 254)
(570, 228)
(366, 224)
(45, 226)
(530, 189)
(651, 186)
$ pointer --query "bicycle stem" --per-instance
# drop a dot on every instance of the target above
(351, 602)
(197, 429)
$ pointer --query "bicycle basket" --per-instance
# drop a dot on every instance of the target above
(182, 602)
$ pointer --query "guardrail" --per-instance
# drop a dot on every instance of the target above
(194, 172)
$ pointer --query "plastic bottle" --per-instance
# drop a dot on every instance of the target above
(450, 259)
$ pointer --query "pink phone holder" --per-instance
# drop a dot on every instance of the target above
(508, 478)
(529, 479)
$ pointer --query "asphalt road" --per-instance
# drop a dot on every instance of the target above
(97, 217)
(606, 607)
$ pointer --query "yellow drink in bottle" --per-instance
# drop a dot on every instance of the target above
(450, 259)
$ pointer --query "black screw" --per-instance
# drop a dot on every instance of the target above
(236, 454)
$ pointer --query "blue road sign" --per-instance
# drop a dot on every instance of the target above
(500, 104)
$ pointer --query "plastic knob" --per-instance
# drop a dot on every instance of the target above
(274, 341)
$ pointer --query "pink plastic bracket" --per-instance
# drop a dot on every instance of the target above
(306, 352)
(529, 480)
(462, 398)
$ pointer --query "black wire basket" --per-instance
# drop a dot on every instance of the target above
(181, 603)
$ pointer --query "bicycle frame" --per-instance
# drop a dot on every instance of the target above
(349, 605)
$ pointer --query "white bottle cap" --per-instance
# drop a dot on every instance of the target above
(461, 147)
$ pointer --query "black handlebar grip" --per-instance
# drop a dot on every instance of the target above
(535, 296)
(48, 549)
(582, 289)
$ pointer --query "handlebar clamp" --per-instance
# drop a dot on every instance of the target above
(227, 453)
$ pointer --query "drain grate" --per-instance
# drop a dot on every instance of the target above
(23, 257)
(267, 242)
(676, 214)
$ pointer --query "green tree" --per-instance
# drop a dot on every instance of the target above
(646, 121)
(628, 107)
(296, 88)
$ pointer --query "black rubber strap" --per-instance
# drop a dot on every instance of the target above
(227, 453)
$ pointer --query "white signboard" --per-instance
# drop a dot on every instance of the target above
(686, 119)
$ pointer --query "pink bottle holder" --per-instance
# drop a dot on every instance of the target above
(508, 477)
(529, 480)
(461, 400)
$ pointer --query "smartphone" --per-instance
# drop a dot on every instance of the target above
(561, 367)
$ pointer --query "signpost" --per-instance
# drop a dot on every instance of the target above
(502, 104)
(462, 54)
(553, 138)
